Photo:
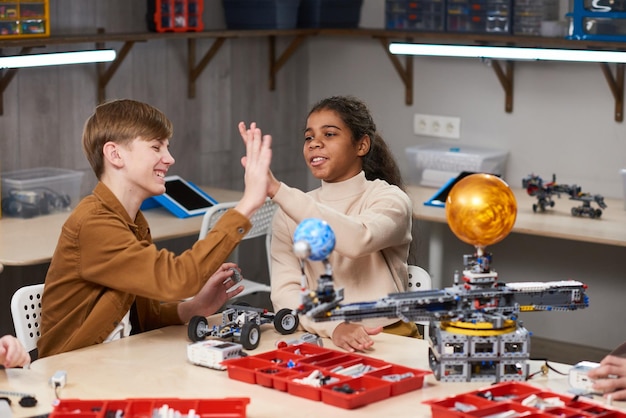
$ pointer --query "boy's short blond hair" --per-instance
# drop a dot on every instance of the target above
(121, 121)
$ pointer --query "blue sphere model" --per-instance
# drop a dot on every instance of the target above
(319, 235)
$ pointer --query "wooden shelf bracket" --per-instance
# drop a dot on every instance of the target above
(405, 72)
(106, 74)
(616, 84)
(277, 64)
(194, 71)
(7, 76)
(505, 76)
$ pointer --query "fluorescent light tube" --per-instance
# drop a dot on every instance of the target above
(508, 53)
(60, 58)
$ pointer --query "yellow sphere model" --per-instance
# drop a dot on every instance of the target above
(481, 209)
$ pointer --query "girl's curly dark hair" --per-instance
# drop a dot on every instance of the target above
(379, 162)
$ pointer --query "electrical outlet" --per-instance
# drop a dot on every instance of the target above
(438, 126)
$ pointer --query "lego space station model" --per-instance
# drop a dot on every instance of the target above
(474, 334)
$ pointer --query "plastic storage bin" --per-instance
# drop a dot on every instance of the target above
(528, 15)
(261, 14)
(146, 407)
(175, 15)
(417, 15)
(434, 164)
(329, 13)
(39, 191)
(24, 19)
(288, 369)
(602, 22)
(479, 16)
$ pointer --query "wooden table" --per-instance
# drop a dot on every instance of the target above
(32, 241)
(154, 365)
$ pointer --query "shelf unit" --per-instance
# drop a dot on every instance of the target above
(24, 19)
(403, 65)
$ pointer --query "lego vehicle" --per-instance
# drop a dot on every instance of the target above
(585, 208)
(242, 324)
(544, 191)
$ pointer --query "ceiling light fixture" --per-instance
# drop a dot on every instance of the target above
(58, 58)
(508, 53)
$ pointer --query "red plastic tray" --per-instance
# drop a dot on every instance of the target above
(144, 407)
(509, 396)
(281, 369)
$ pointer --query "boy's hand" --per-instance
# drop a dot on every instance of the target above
(256, 163)
(213, 295)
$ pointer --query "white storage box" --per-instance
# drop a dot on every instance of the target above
(39, 191)
(434, 164)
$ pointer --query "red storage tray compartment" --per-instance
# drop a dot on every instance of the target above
(519, 398)
(508, 391)
(456, 406)
(354, 393)
(304, 349)
(402, 378)
(285, 368)
(145, 407)
(245, 368)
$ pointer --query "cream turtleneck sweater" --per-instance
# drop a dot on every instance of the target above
(372, 224)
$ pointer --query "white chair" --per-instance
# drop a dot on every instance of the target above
(419, 279)
(26, 312)
(261, 226)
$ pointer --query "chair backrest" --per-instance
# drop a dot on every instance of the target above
(261, 223)
(26, 312)
(261, 220)
(419, 279)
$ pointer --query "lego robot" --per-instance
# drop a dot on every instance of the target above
(475, 332)
(544, 192)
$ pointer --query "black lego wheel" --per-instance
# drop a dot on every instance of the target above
(250, 335)
(286, 322)
(196, 330)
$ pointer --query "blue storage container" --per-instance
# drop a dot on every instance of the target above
(329, 13)
(261, 14)
(598, 21)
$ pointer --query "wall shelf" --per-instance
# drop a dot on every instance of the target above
(504, 71)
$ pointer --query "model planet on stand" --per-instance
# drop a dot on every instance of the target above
(313, 239)
(481, 209)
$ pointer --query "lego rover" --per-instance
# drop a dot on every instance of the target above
(242, 324)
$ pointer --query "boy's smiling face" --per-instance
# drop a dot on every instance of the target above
(147, 163)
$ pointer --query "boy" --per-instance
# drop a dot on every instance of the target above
(106, 276)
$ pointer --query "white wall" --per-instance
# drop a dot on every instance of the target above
(562, 122)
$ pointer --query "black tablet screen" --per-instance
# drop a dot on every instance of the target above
(185, 195)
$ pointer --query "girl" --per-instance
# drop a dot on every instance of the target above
(362, 200)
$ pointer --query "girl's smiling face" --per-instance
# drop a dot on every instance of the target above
(329, 148)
